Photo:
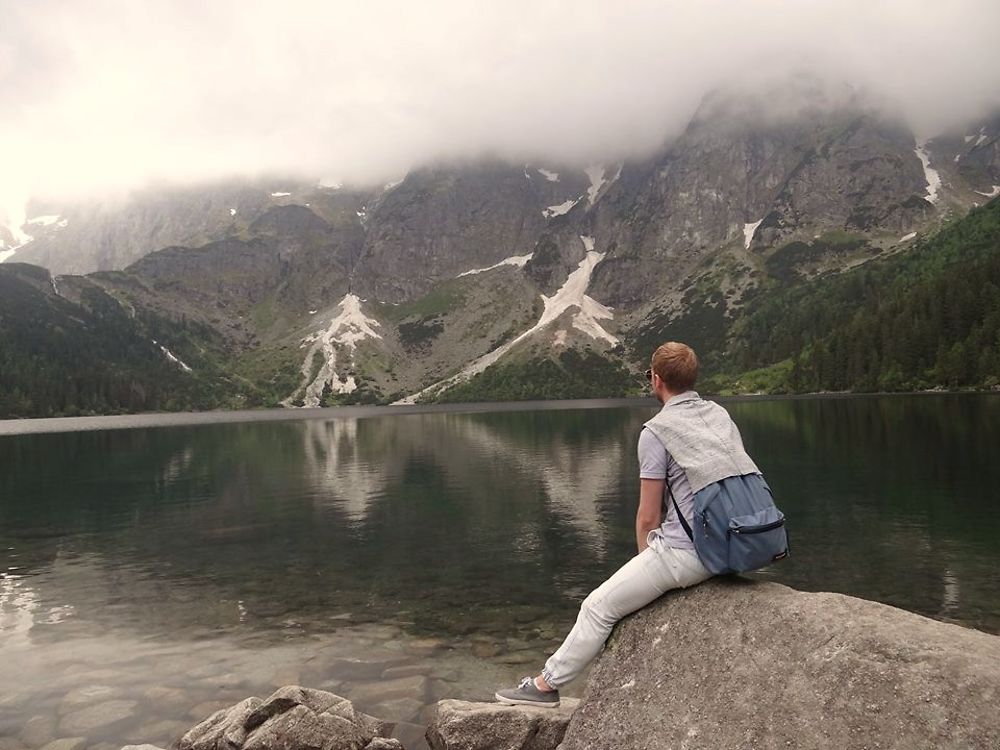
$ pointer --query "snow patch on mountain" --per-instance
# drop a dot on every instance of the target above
(280, 195)
(344, 331)
(930, 174)
(596, 176)
(572, 294)
(514, 260)
(550, 176)
(586, 320)
(13, 216)
(562, 208)
(748, 232)
(232, 212)
(907, 237)
(49, 220)
(993, 193)
(170, 356)
(392, 184)
(15, 222)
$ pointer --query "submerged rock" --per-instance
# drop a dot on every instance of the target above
(414, 687)
(168, 699)
(87, 695)
(461, 725)
(38, 730)
(99, 717)
(737, 663)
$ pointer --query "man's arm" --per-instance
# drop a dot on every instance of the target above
(649, 515)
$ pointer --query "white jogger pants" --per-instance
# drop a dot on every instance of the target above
(645, 577)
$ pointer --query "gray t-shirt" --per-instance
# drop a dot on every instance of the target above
(656, 463)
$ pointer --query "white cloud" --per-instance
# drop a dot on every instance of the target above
(110, 94)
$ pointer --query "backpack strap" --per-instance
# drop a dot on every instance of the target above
(677, 510)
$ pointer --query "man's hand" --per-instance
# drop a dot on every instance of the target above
(649, 516)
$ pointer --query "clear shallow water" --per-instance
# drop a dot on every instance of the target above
(149, 576)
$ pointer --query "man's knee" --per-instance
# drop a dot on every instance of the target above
(595, 610)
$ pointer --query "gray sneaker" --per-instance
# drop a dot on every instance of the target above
(526, 694)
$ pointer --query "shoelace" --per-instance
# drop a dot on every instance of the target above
(526, 682)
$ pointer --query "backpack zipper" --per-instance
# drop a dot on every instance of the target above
(758, 529)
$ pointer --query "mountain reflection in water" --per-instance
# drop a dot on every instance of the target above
(461, 543)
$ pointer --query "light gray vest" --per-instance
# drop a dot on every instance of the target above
(702, 438)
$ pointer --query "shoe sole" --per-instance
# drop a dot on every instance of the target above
(520, 702)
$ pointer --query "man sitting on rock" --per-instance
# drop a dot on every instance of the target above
(666, 558)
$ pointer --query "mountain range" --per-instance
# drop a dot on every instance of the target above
(479, 279)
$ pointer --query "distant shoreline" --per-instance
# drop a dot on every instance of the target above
(46, 425)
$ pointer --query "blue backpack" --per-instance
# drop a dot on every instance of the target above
(737, 527)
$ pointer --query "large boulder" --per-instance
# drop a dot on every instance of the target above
(292, 718)
(461, 725)
(740, 664)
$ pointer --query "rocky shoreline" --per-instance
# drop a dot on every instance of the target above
(153, 691)
(730, 663)
(300, 718)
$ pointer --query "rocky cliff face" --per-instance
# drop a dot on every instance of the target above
(739, 186)
(111, 233)
(464, 264)
(976, 156)
(444, 221)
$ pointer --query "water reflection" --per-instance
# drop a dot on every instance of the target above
(892, 499)
(575, 478)
(475, 535)
(342, 467)
(950, 600)
(337, 517)
(18, 604)
(889, 498)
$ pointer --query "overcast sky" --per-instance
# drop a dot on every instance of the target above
(99, 95)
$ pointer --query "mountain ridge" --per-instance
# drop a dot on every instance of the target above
(480, 264)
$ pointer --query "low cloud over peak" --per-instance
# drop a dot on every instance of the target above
(105, 95)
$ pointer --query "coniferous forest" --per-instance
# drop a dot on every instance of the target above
(89, 356)
(926, 318)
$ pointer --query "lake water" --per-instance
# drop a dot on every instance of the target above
(150, 576)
